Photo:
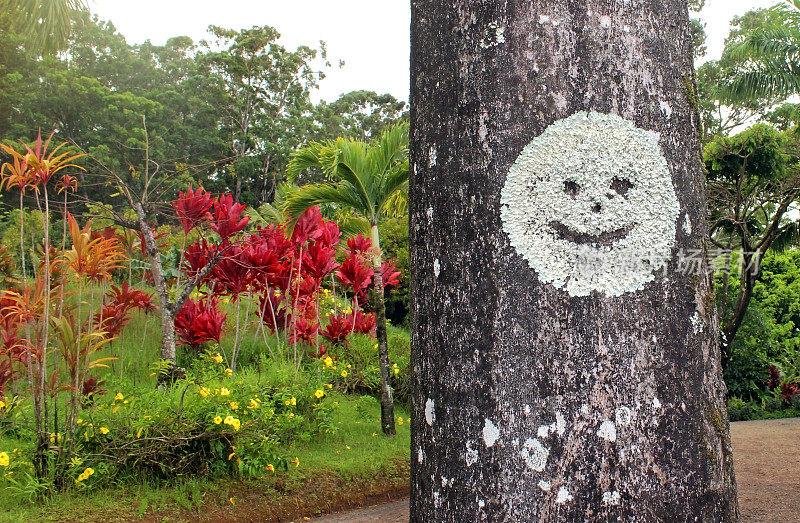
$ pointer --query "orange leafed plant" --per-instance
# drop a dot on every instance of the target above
(38, 164)
(94, 258)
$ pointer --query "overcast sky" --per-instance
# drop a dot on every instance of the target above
(371, 36)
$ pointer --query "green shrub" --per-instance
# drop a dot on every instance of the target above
(363, 375)
(739, 410)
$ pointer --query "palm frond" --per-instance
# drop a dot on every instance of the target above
(788, 237)
(341, 194)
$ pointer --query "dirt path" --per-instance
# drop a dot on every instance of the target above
(766, 456)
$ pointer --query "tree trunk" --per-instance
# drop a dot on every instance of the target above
(565, 364)
(387, 402)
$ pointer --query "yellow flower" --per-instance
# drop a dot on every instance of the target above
(348, 366)
(2, 404)
(270, 468)
(217, 420)
(374, 434)
(89, 471)
(319, 393)
(224, 392)
(204, 392)
(228, 372)
(329, 385)
(231, 455)
(399, 421)
(328, 361)
(233, 501)
(347, 447)
(119, 397)
(228, 420)
(253, 404)
(291, 414)
(78, 421)
(294, 401)
(234, 405)
(344, 373)
(104, 430)
(236, 424)
(296, 462)
(216, 357)
(375, 346)
(4, 459)
(396, 370)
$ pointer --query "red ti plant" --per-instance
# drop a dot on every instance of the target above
(198, 322)
(227, 219)
(192, 208)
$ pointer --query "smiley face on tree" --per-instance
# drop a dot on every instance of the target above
(590, 205)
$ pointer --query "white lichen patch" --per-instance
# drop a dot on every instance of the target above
(481, 503)
(495, 35)
(436, 268)
(666, 108)
(534, 454)
(471, 456)
(656, 402)
(687, 225)
(544, 19)
(622, 415)
(605, 22)
(429, 212)
(559, 426)
(543, 431)
(490, 432)
(697, 322)
(590, 205)
(432, 156)
(608, 431)
(544, 485)
(611, 498)
(563, 495)
(420, 455)
(430, 413)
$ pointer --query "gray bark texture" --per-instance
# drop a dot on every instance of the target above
(531, 404)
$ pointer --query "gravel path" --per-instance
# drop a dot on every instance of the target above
(766, 456)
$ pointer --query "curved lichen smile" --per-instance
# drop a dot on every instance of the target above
(582, 238)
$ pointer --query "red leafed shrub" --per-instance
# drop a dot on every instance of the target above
(390, 275)
(227, 219)
(192, 208)
(364, 323)
(117, 305)
(774, 379)
(358, 244)
(355, 274)
(198, 322)
(789, 390)
(338, 328)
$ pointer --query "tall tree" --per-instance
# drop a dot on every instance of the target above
(566, 365)
(753, 180)
(369, 179)
(262, 91)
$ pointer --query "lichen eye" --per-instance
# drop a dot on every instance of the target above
(571, 188)
(621, 186)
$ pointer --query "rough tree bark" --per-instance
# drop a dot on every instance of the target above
(540, 396)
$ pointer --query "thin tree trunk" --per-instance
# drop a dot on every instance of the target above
(387, 402)
(546, 389)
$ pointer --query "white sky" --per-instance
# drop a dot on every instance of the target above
(371, 36)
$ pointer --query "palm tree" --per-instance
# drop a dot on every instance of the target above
(371, 180)
(767, 58)
(49, 21)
